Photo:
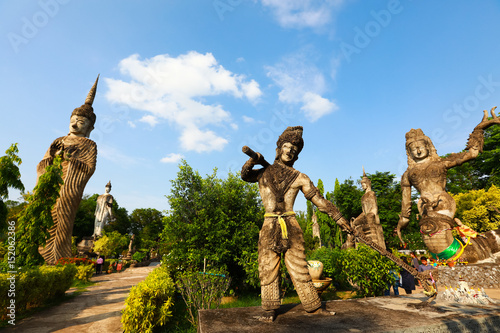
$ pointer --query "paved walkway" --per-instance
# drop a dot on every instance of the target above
(97, 310)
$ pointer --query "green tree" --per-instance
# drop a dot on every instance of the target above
(347, 198)
(479, 209)
(111, 244)
(483, 171)
(488, 162)
(14, 208)
(85, 217)
(331, 234)
(36, 219)
(147, 225)
(10, 177)
(213, 219)
(388, 192)
(463, 178)
(121, 221)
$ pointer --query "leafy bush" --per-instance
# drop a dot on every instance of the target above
(84, 272)
(250, 263)
(35, 287)
(111, 244)
(211, 219)
(202, 290)
(333, 267)
(149, 303)
(363, 268)
(139, 256)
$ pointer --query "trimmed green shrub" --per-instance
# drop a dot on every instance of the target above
(84, 272)
(149, 303)
(35, 287)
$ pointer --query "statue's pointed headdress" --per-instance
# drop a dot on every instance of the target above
(365, 177)
(86, 110)
(364, 173)
(109, 184)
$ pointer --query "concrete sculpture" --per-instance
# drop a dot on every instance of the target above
(103, 212)
(78, 164)
(279, 184)
(427, 173)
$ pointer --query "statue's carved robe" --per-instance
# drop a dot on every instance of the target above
(103, 212)
(77, 170)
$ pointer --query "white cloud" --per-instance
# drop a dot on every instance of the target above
(149, 119)
(172, 158)
(131, 124)
(303, 13)
(316, 106)
(251, 90)
(301, 82)
(172, 89)
(248, 119)
(201, 141)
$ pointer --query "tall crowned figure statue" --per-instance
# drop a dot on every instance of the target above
(78, 164)
(427, 173)
(279, 184)
(103, 212)
(368, 222)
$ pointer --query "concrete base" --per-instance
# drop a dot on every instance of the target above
(380, 314)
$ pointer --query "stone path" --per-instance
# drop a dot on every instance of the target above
(97, 310)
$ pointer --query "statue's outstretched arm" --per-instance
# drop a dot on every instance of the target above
(312, 194)
(475, 142)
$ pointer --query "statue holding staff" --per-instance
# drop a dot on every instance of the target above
(279, 184)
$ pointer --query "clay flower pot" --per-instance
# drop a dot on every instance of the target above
(315, 269)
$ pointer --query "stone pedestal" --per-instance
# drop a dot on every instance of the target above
(378, 314)
(85, 246)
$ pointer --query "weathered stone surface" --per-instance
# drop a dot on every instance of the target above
(427, 173)
(368, 222)
(279, 185)
(103, 213)
(477, 276)
(380, 314)
(79, 156)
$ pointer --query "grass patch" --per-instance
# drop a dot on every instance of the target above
(79, 287)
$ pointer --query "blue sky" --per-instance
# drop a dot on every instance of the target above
(199, 79)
